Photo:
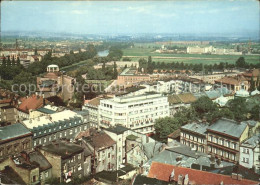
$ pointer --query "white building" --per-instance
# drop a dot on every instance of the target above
(136, 112)
(250, 153)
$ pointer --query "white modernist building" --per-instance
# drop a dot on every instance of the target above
(136, 112)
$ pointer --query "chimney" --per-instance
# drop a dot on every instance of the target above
(25, 156)
(186, 180)
(180, 180)
(234, 176)
(239, 177)
(172, 176)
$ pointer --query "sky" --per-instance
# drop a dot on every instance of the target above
(132, 17)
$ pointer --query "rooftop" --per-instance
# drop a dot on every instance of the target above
(131, 137)
(42, 162)
(141, 179)
(252, 141)
(9, 176)
(118, 129)
(163, 172)
(13, 131)
(45, 110)
(50, 119)
(199, 128)
(63, 149)
(229, 127)
(32, 102)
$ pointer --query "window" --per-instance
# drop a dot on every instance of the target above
(70, 132)
(34, 144)
(108, 155)
(44, 140)
(79, 157)
(79, 167)
(61, 134)
(46, 174)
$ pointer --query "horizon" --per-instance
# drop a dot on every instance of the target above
(129, 18)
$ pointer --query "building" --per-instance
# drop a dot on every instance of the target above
(250, 153)
(130, 77)
(194, 135)
(184, 176)
(233, 83)
(224, 138)
(14, 139)
(210, 78)
(136, 112)
(102, 148)
(26, 104)
(9, 114)
(119, 134)
(252, 75)
(92, 107)
(57, 126)
(45, 168)
(176, 101)
(27, 171)
(55, 83)
(67, 160)
(119, 64)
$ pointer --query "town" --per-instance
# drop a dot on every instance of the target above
(129, 110)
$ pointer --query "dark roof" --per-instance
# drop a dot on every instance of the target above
(63, 149)
(199, 128)
(9, 176)
(228, 127)
(131, 137)
(118, 129)
(46, 111)
(175, 134)
(42, 162)
(13, 131)
(186, 151)
(56, 100)
(98, 140)
(8, 107)
(140, 180)
(245, 172)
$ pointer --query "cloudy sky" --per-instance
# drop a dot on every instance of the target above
(204, 16)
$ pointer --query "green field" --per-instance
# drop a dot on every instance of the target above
(136, 53)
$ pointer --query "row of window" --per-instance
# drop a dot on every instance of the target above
(223, 142)
(9, 149)
(55, 128)
(222, 153)
(193, 138)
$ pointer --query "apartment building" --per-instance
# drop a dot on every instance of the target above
(194, 135)
(67, 160)
(8, 114)
(57, 126)
(14, 139)
(224, 138)
(102, 148)
(92, 107)
(136, 112)
(250, 153)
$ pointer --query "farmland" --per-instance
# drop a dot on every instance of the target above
(136, 53)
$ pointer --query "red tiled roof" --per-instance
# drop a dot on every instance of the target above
(254, 73)
(231, 80)
(5, 101)
(163, 172)
(32, 102)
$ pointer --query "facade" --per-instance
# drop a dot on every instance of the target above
(9, 114)
(57, 126)
(224, 138)
(14, 139)
(212, 77)
(194, 136)
(137, 112)
(92, 107)
(27, 171)
(119, 134)
(250, 153)
(67, 160)
(102, 148)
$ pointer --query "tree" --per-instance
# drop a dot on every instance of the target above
(4, 62)
(255, 113)
(103, 66)
(241, 62)
(252, 84)
(126, 59)
(165, 126)
(239, 108)
(26, 82)
(203, 105)
(18, 62)
(13, 61)
(8, 61)
(115, 71)
(150, 66)
(35, 51)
